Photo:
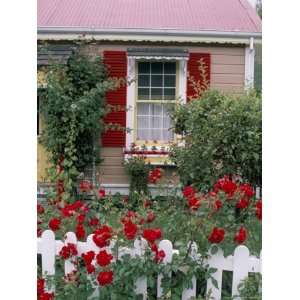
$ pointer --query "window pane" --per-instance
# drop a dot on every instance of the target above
(143, 122)
(170, 81)
(157, 135)
(156, 94)
(168, 135)
(144, 67)
(144, 80)
(157, 110)
(143, 109)
(143, 134)
(156, 68)
(169, 94)
(156, 80)
(156, 122)
(143, 94)
(167, 123)
(170, 68)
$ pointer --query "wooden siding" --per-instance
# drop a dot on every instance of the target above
(227, 74)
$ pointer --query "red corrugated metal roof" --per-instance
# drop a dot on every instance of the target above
(181, 15)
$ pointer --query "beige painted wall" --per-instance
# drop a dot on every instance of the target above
(227, 74)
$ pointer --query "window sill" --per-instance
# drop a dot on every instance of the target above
(156, 158)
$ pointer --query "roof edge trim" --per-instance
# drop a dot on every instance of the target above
(146, 32)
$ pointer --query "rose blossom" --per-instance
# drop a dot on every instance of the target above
(217, 235)
(105, 278)
(241, 235)
(54, 224)
(103, 258)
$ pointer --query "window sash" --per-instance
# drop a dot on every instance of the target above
(151, 126)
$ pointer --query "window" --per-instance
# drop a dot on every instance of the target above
(156, 96)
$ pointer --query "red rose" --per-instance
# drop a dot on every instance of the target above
(258, 209)
(243, 203)
(85, 186)
(194, 203)
(247, 190)
(46, 296)
(226, 185)
(218, 204)
(154, 175)
(131, 214)
(40, 285)
(88, 257)
(241, 235)
(77, 205)
(101, 193)
(39, 232)
(217, 235)
(130, 230)
(80, 232)
(68, 251)
(94, 222)
(84, 209)
(150, 217)
(80, 218)
(152, 234)
(68, 210)
(159, 256)
(90, 269)
(154, 248)
(102, 235)
(188, 192)
(105, 278)
(147, 204)
(54, 224)
(103, 258)
(40, 209)
(60, 187)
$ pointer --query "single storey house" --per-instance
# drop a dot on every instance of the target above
(159, 43)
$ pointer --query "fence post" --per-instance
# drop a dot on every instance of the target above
(141, 283)
(240, 268)
(47, 250)
(216, 261)
(167, 247)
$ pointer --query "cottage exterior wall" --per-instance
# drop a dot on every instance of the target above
(227, 75)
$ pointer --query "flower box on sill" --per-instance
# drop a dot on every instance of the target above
(154, 157)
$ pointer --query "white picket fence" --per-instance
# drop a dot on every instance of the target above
(240, 263)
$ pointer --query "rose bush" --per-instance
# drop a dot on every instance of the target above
(226, 216)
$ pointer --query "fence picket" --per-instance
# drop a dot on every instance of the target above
(140, 246)
(240, 267)
(69, 265)
(47, 250)
(216, 261)
(167, 247)
(191, 292)
(240, 263)
(91, 246)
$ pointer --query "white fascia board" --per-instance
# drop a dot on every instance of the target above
(74, 33)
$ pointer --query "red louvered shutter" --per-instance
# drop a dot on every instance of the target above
(194, 73)
(116, 62)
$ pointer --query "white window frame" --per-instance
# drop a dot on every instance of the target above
(132, 89)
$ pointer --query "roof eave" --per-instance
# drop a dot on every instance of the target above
(168, 35)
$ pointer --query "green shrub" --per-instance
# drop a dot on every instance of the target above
(222, 135)
(138, 171)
